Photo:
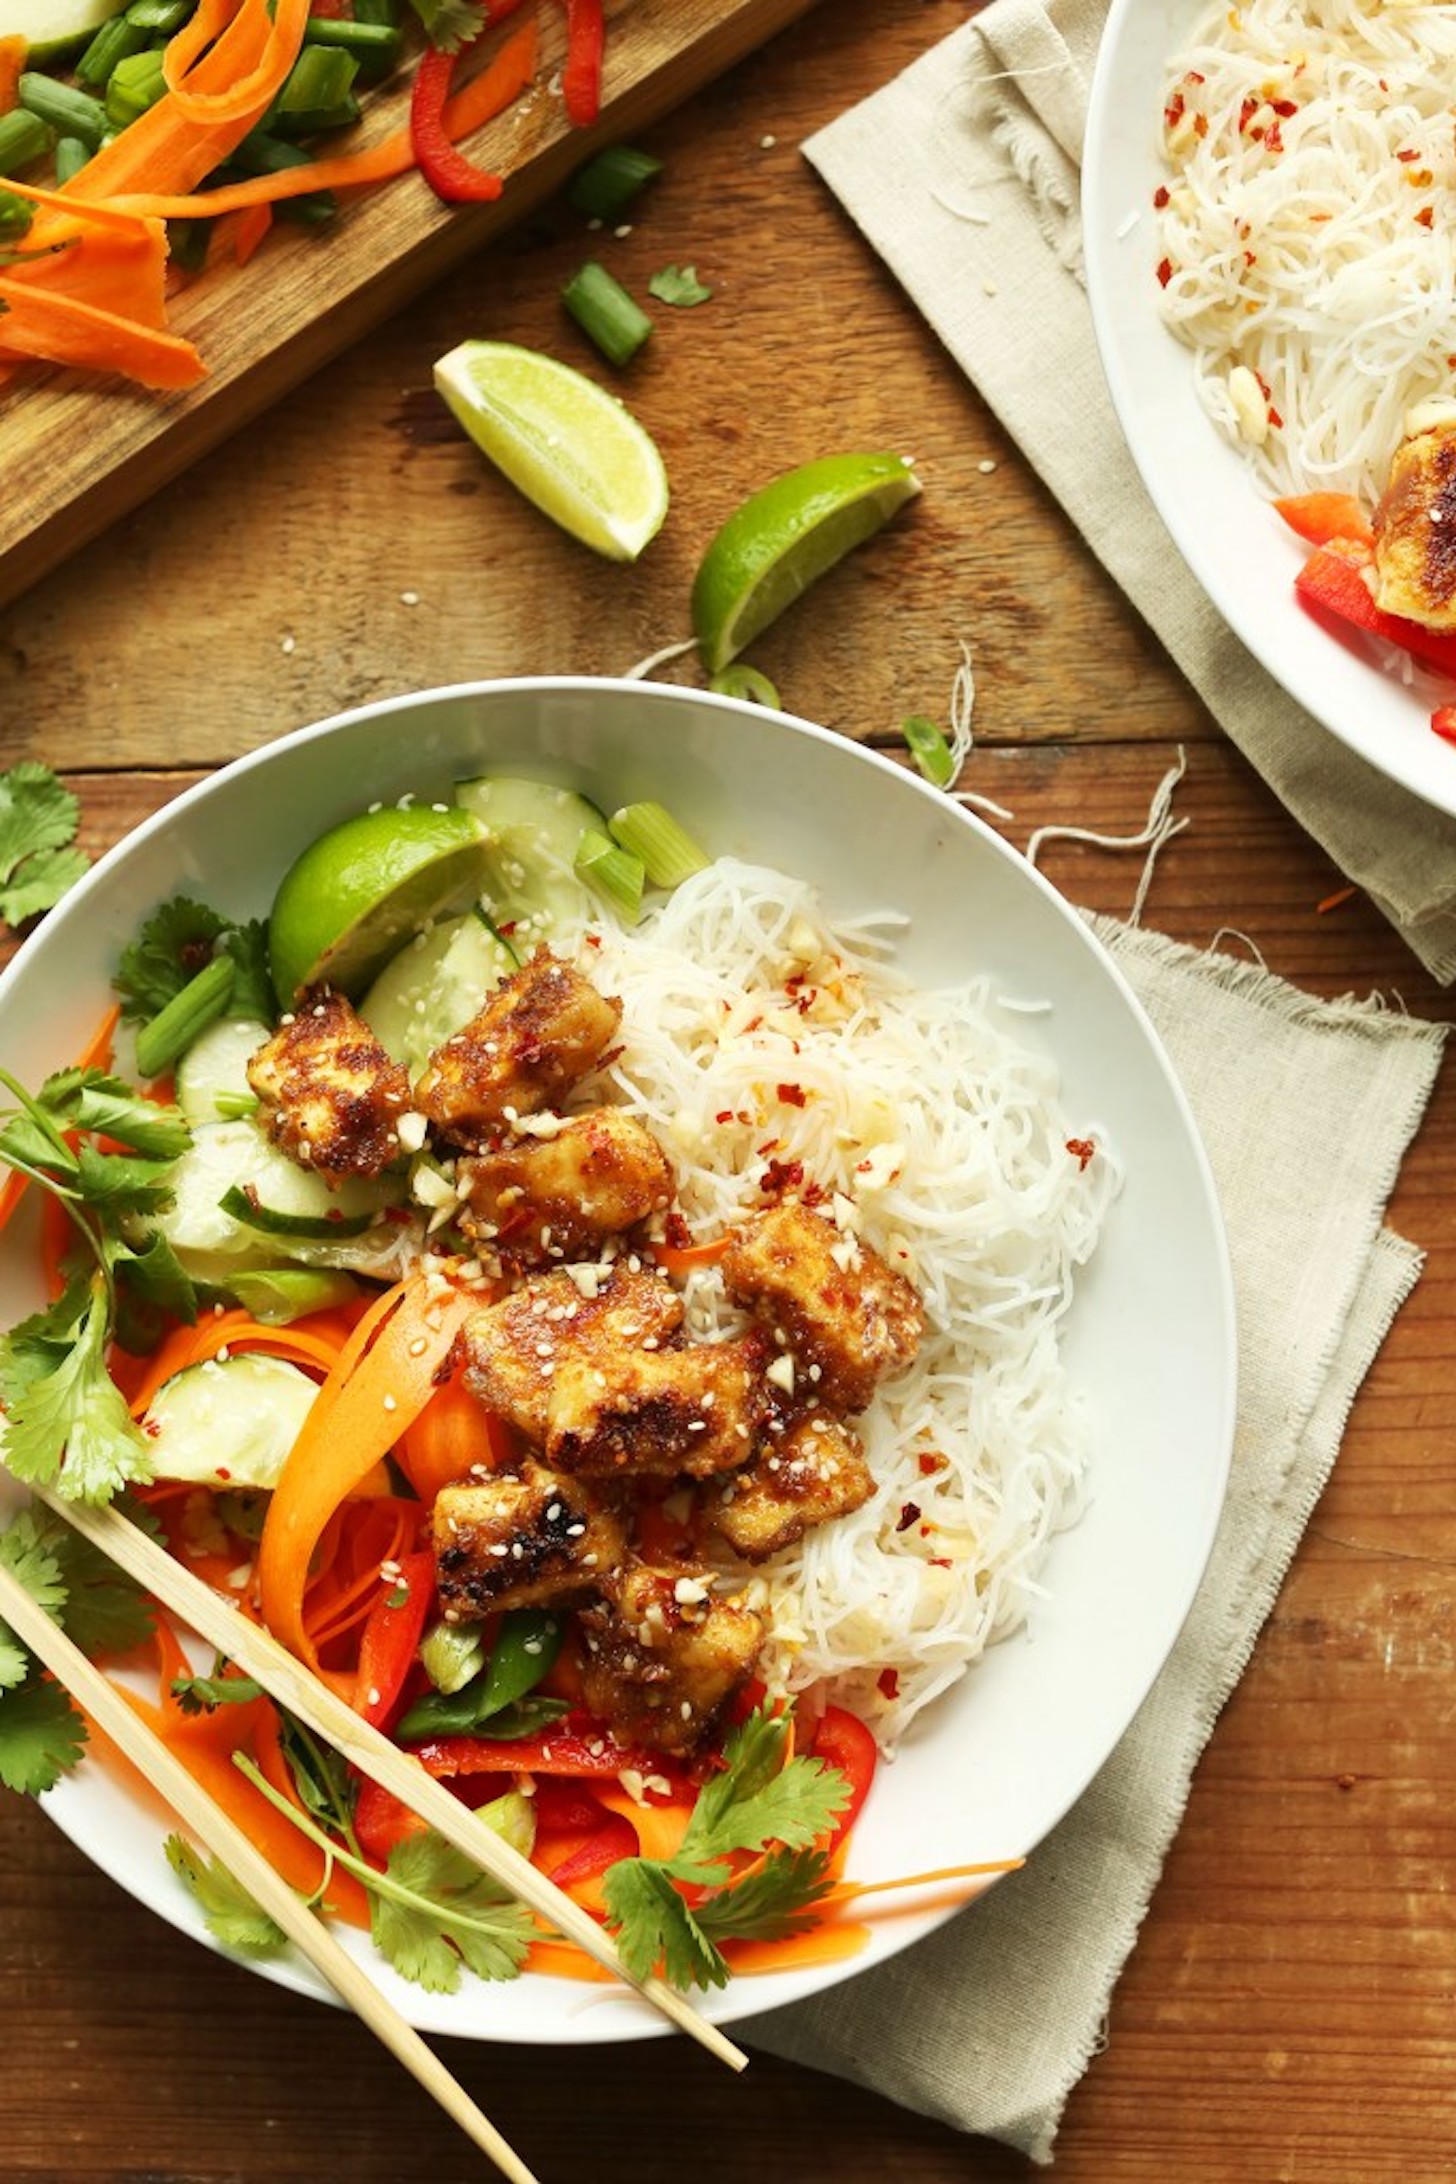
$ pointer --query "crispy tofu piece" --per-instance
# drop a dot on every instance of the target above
(694, 1411)
(512, 1349)
(541, 1030)
(560, 1196)
(845, 1317)
(330, 1095)
(1415, 531)
(531, 1541)
(813, 1474)
(662, 1658)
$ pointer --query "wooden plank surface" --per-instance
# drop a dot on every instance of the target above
(1286, 2015)
(75, 461)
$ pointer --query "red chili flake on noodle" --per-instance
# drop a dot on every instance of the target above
(930, 1463)
(887, 1683)
(1200, 126)
(1081, 1149)
(1274, 142)
(1175, 109)
(793, 1095)
(1408, 155)
(909, 1514)
(782, 1175)
(1425, 216)
(1160, 197)
(724, 1114)
(1247, 112)
(675, 1232)
(1165, 271)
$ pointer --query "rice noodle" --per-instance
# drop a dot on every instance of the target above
(1308, 234)
(940, 1128)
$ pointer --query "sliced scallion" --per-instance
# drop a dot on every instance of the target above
(930, 750)
(113, 42)
(16, 215)
(614, 872)
(739, 680)
(668, 853)
(71, 156)
(606, 313)
(318, 94)
(277, 1295)
(606, 185)
(61, 106)
(451, 1654)
(134, 86)
(162, 15)
(187, 1015)
(374, 46)
(24, 138)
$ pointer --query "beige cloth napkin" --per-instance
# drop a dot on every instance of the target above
(989, 2022)
(990, 122)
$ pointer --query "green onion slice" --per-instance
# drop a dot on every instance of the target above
(742, 681)
(617, 875)
(668, 853)
(930, 750)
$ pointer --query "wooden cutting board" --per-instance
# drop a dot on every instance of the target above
(76, 455)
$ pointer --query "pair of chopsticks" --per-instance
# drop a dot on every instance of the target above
(311, 1701)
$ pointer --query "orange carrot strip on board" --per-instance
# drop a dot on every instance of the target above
(282, 36)
(358, 1417)
(12, 61)
(118, 271)
(488, 94)
(63, 330)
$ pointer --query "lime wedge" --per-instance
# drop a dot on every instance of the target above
(573, 449)
(783, 538)
(364, 888)
(50, 27)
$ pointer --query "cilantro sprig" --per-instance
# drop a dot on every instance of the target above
(228, 1911)
(758, 1805)
(38, 860)
(451, 24)
(41, 1734)
(58, 1398)
(181, 942)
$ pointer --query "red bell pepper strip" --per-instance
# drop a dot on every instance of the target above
(451, 175)
(612, 1836)
(842, 1741)
(1332, 582)
(382, 1821)
(391, 1638)
(1320, 517)
(581, 79)
(1443, 720)
(561, 1749)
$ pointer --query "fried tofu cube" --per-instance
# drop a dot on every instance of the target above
(330, 1096)
(561, 1195)
(520, 1542)
(845, 1317)
(1415, 531)
(541, 1030)
(513, 1348)
(662, 1659)
(814, 1473)
(694, 1411)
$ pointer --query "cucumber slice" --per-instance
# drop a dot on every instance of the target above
(434, 985)
(532, 830)
(210, 1242)
(53, 27)
(216, 1066)
(242, 1202)
(229, 1422)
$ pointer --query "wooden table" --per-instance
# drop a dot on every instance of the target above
(1288, 2010)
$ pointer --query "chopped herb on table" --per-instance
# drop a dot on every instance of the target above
(679, 285)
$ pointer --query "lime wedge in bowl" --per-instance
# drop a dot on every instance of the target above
(363, 888)
(782, 540)
(571, 447)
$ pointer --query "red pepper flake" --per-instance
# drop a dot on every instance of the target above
(223, 1473)
(675, 1232)
(1425, 216)
(793, 1095)
(887, 1683)
(940, 1562)
(1081, 1150)
(1286, 109)
(1408, 156)
(1274, 141)
(1443, 721)
(1192, 76)
(1160, 197)
(929, 1463)
(151, 1426)
(724, 1114)
(1247, 112)
(909, 1514)
(1174, 111)
(782, 1175)
(593, 940)
(769, 1145)
(1200, 126)
(509, 927)
(1165, 271)
(1276, 421)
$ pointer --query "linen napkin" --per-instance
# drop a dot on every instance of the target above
(963, 175)
(989, 2022)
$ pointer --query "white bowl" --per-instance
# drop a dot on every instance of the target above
(1241, 553)
(992, 1766)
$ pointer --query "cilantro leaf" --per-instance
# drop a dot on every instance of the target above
(228, 1911)
(38, 819)
(105, 1611)
(88, 1099)
(68, 1406)
(438, 1909)
(151, 1286)
(204, 1694)
(41, 1735)
(24, 1555)
(756, 1804)
(120, 1183)
(451, 24)
(173, 946)
(679, 285)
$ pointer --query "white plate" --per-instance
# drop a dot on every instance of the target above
(1241, 553)
(991, 1768)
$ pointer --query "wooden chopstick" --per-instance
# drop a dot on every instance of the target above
(226, 1840)
(302, 1694)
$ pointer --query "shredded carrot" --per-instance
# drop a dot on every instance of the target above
(453, 1434)
(357, 1541)
(370, 1398)
(1333, 902)
(12, 61)
(488, 94)
(59, 329)
(681, 1259)
(250, 227)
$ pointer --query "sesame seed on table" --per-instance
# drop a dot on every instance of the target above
(1286, 2011)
